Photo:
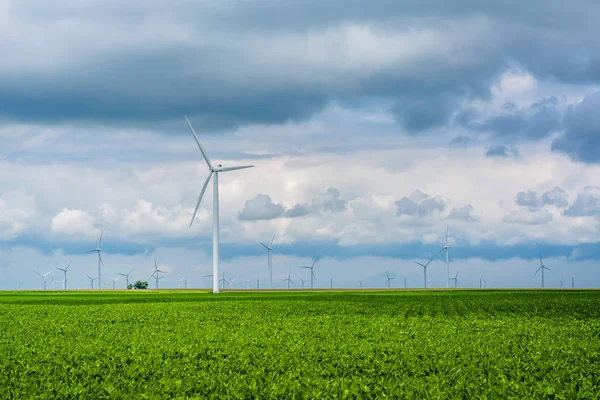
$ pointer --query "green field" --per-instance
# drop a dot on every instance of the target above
(445, 344)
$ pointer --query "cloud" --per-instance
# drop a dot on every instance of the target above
(420, 204)
(17, 213)
(587, 204)
(500, 150)
(330, 200)
(556, 197)
(581, 138)
(527, 217)
(463, 214)
(261, 208)
(73, 222)
(299, 210)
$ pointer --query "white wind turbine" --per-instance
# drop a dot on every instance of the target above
(43, 278)
(360, 283)
(455, 279)
(303, 282)
(64, 270)
(425, 268)
(542, 267)
(223, 282)
(447, 248)
(270, 259)
(92, 280)
(248, 281)
(312, 272)
(213, 171)
(185, 283)
(481, 282)
(231, 282)
(98, 249)
(288, 279)
(156, 273)
(126, 277)
(114, 281)
(388, 280)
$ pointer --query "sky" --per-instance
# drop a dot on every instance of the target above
(373, 126)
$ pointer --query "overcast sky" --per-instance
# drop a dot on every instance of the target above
(373, 125)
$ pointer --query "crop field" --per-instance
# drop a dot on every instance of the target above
(396, 344)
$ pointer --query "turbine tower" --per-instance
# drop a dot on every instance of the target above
(312, 272)
(213, 171)
(425, 268)
(92, 280)
(43, 278)
(447, 248)
(185, 283)
(542, 267)
(455, 279)
(156, 273)
(288, 279)
(388, 280)
(270, 259)
(100, 262)
(126, 277)
(64, 270)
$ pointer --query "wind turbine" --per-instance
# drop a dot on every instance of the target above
(43, 278)
(92, 280)
(248, 283)
(114, 280)
(270, 259)
(360, 283)
(156, 273)
(303, 282)
(542, 267)
(425, 268)
(480, 282)
(447, 248)
(231, 282)
(455, 279)
(223, 282)
(126, 277)
(64, 270)
(312, 273)
(185, 285)
(572, 282)
(213, 171)
(388, 280)
(54, 281)
(330, 283)
(561, 283)
(288, 279)
(100, 262)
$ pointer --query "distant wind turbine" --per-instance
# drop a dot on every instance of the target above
(270, 259)
(360, 283)
(456, 281)
(388, 280)
(425, 267)
(480, 282)
(561, 283)
(92, 280)
(223, 282)
(288, 279)
(330, 283)
(185, 283)
(248, 281)
(156, 273)
(303, 282)
(126, 277)
(213, 171)
(64, 270)
(447, 248)
(114, 281)
(542, 267)
(312, 272)
(98, 250)
(43, 278)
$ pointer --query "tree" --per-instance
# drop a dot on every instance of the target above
(140, 285)
(130, 286)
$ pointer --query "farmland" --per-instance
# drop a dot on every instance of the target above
(181, 344)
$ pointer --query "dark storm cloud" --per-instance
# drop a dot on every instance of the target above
(231, 63)
(500, 150)
(581, 138)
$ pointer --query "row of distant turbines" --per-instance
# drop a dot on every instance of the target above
(214, 171)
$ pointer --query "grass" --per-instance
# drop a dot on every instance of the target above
(360, 344)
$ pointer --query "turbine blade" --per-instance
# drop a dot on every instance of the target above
(200, 198)
(538, 270)
(265, 246)
(100, 257)
(204, 154)
(424, 266)
(68, 266)
(236, 168)
(100, 241)
(271, 245)
(37, 273)
(447, 227)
